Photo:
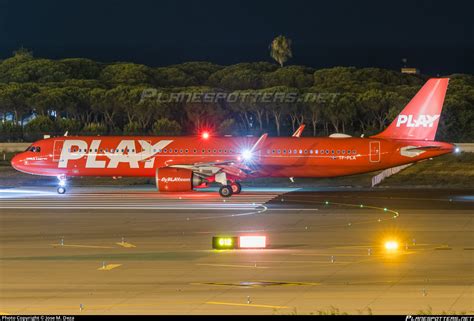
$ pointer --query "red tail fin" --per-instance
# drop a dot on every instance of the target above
(419, 119)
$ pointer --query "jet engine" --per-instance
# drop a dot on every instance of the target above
(170, 179)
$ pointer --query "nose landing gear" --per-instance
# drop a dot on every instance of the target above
(62, 185)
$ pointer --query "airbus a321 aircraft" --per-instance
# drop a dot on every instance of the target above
(183, 163)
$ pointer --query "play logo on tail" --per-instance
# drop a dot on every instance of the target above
(419, 119)
(422, 120)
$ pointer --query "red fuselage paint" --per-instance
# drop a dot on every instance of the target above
(278, 157)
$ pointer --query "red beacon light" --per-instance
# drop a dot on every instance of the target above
(205, 135)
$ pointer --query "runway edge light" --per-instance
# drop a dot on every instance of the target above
(252, 242)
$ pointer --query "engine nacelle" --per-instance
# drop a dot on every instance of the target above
(170, 179)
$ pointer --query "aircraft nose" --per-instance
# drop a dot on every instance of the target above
(17, 161)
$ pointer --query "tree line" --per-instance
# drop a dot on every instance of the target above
(43, 96)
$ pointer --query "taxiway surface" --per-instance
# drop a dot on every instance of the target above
(131, 250)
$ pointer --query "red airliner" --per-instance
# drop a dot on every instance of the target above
(180, 164)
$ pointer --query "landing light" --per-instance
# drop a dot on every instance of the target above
(391, 245)
(457, 150)
(247, 154)
(205, 135)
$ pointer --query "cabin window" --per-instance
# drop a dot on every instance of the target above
(180, 151)
(338, 151)
(306, 151)
(354, 152)
(311, 151)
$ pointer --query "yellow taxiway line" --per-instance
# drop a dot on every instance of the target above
(109, 267)
(82, 246)
(234, 266)
(248, 305)
(125, 244)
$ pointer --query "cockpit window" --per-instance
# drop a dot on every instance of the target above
(33, 149)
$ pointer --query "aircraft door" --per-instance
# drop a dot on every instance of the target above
(374, 151)
(58, 146)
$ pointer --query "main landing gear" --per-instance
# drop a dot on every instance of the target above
(236, 188)
(225, 191)
(229, 190)
(62, 185)
(228, 187)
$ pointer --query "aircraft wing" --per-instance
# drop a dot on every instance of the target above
(233, 168)
(236, 168)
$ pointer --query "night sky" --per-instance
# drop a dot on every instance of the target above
(435, 36)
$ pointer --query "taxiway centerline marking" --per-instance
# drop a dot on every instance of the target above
(82, 246)
(234, 266)
(125, 244)
(248, 305)
(108, 267)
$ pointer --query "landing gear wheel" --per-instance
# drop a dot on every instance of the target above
(225, 191)
(61, 190)
(236, 188)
